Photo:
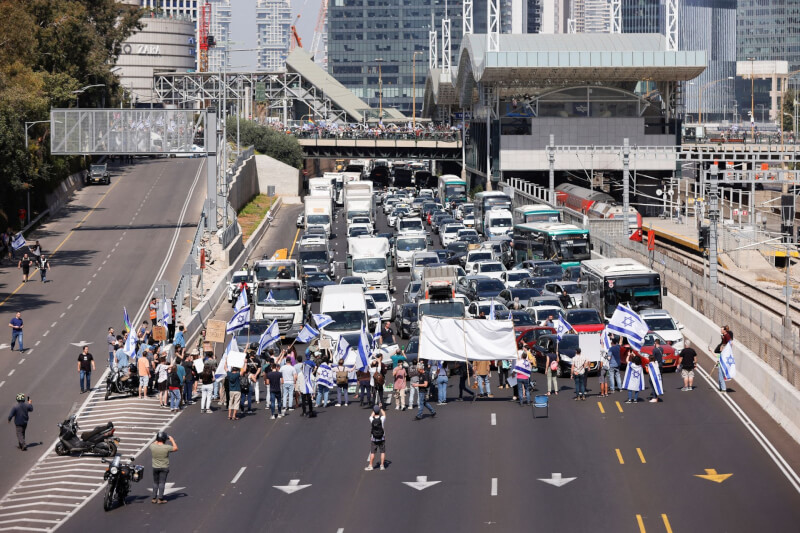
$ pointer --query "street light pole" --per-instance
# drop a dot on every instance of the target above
(379, 60)
(28, 188)
(414, 90)
(752, 97)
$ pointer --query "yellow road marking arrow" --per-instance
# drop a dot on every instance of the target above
(712, 475)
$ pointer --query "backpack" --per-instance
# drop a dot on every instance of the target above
(341, 378)
(377, 429)
(379, 379)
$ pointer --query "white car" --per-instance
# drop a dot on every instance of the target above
(396, 214)
(469, 220)
(233, 285)
(540, 313)
(661, 322)
(409, 224)
(388, 205)
(484, 306)
(373, 315)
(384, 302)
(449, 233)
(467, 232)
(492, 269)
(301, 220)
(515, 275)
(476, 256)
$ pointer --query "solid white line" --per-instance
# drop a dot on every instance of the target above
(238, 474)
(494, 419)
(494, 486)
(774, 454)
(12, 372)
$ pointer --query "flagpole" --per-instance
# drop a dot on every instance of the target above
(466, 357)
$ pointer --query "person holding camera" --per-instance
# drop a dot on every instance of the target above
(160, 451)
(20, 414)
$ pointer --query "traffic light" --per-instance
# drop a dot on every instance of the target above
(702, 237)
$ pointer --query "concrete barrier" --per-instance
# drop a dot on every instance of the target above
(211, 301)
(772, 392)
(59, 198)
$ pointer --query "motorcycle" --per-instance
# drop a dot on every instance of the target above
(99, 441)
(119, 383)
(119, 476)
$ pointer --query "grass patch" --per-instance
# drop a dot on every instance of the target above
(253, 213)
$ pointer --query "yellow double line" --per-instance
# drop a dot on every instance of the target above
(663, 518)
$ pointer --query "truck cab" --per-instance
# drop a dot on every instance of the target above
(370, 258)
(283, 300)
(440, 300)
(497, 222)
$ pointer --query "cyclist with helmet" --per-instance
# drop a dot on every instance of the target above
(20, 415)
(160, 451)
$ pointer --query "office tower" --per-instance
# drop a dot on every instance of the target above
(769, 30)
(643, 16)
(274, 21)
(220, 28)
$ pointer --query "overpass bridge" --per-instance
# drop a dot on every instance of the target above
(439, 147)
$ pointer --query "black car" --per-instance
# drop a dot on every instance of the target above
(554, 272)
(315, 282)
(524, 294)
(471, 239)
(533, 282)
(406, 321)
(412, 349)
(443, 255)
(480, 287)
(566, 350)
(458, 247)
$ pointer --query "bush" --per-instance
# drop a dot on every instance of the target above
(267, 141)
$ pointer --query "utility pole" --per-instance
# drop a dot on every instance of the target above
(713, 216)
(626, 178)
(551, 156)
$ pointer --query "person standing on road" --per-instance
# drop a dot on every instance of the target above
(442, 380)
(523, 371)
(413, 374)
(377, 439)
(482, 373)
(25, 265)
(174, 384)
(399, 384)
(342, 384)
(111, 339)
(579, 365)
(614, 363)
(686, 362)
(422, 388)
(189, 376)
(235, 391)
(85, 367)
(160, 451)
(143, 369)
(162, 375)
(121, 359)
(658, 357)
(636, 383)
(44, 266)
(274, 378)
(463, 371)
(503, 368)
(20, 414)
(206, 378)
(551, 364)
(289, 375)
(16, 331)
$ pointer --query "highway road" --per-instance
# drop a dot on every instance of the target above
(483, 466)
(106, 250)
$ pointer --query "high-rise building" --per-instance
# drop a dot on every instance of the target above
(591, 16)
(709, 25)
(274, 21)
(169, 8)
(769, 30)
(643, 16)
(220, 28)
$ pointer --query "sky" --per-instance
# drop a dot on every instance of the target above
(243, 28)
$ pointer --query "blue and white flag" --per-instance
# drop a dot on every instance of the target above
(308, 377)
(270, 298)
(307, 334)
(605, 342)
(325, 375)
(629, 324)
(322, 320)
(562, 327)
(364, 350)
(342, 347)
(727, 363)
(130, 345)
(18, 241)
(166, 312)
(492, 316)
(376, 340)
(634, 380)
(523, 366)
(270, 336)
(241, 314)
(221, 372)
(655, 378)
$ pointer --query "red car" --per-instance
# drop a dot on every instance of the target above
(669, 361)
(522, 320)
(585, 320)
(530, 336)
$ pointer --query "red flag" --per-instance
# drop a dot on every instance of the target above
(636, 235)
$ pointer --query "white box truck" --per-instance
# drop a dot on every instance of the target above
(359, 206)
(347, 306)
(318, 212)
(370, 258)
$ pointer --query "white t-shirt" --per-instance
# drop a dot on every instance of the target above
(288, 372)
(383, 419)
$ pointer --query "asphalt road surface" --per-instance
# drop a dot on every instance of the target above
(481, 465)
(106, 251)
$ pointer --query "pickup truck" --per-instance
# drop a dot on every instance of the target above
(98, 174)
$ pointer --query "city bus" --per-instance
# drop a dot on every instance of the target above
(485, 202)
(564, 243)
(451, 187)
(610, 282)
(536, 213)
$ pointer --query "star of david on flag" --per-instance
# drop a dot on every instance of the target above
(241, 314)
(322, 320)
(726, 362)
(629, 324)
(562, 327)
(270, 336)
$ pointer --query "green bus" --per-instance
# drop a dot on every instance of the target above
(563, 243)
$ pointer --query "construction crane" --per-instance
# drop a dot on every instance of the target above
(319, 33)
(296, 40)
(202, 30)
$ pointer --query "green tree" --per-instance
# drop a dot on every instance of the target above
(267, 141)
(789, 98)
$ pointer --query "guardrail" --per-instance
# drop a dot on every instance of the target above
(381, 136)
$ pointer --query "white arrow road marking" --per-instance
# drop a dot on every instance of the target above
(421, 483)
(80, 344)
(4, 346)
(557, 481)
(293, 486)
(169, 488)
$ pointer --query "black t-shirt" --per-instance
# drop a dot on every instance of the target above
(189, 368)
(85, 359)
(688, 355)
(26, 264)
(424, 377)
(387, 335)
(274, 378)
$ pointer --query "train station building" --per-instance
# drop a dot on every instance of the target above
(588, 92)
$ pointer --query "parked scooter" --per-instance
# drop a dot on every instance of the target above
(98, 441)
(119, 476)
(119, 383)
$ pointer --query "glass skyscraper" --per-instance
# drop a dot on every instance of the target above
(643, 16)
(769, 30)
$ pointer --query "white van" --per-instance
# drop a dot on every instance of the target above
(347, 306)
(497, 222)
(405, 245)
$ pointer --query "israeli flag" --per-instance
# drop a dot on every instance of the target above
(376, 340)
(325, 375)
(364, 350)
(308, 377)
(322, 320)
(629, 324)
(270, 298)
(491, 311)
(221, 372)
(562, 327)
(633, 378)
(726, 362)
(18, 241)
(307, 334)
(605, 342)
(655, 378)
(270, 336)
(241, 314)
(166, 312)
(130, 345)
(523, 366)
(342, 347)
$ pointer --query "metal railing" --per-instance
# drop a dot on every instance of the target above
(227, 235)
(367, 135)
(185, 281)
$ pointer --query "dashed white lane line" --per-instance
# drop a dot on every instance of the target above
(62, 315)
(53, 324)
(238, 474)
(30, 351)
(104, 262)
(108, 256)
(69, 307)
(78, 297)
(89, 282)
(494, 419)
(83, 289)
(94, 275)
(37, 343)
(12, 372)
(2, 383)
(494, 486)
(46, 333)
(99, 269)
(21, 361)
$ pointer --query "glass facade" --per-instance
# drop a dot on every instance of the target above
(642, 16)
(769, 30)
(273, 23)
